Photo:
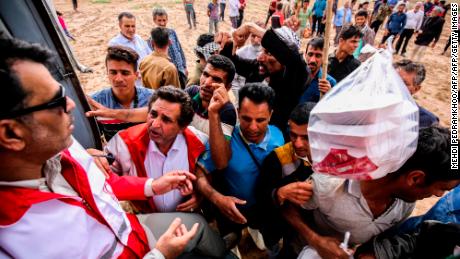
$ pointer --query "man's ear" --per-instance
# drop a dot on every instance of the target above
(270, 117)
(12, 135)
(415, 178)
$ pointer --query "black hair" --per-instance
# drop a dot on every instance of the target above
(412, 67)
(432, 156)
(317, 43)
(257, 93)
(279, 6)
(301, 113)
(362, 13)
(125, 14)
(224, 63)
(160, 37)
(204, 39)
(13, 94)
(121, 53)
(58, 13)
(175, 95)
(350, 31)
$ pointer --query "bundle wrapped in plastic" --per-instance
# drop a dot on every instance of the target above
(367, 125)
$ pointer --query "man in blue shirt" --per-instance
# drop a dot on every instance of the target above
(318, 13)
(233, 188)
(314, 58)
(121, 63)
(396, 23)
(342, 17)
(175, 52)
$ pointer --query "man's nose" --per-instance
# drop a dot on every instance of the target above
(70, 104)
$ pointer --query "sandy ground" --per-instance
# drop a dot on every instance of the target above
(96, 24)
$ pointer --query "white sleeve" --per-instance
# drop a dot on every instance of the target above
(123, 163)
(154, 254)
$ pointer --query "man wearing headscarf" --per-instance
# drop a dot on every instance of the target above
(280, 63)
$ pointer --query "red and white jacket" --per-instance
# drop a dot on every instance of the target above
(130, 148)
(89, 224)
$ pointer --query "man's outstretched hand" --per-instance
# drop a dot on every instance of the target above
(172, 243)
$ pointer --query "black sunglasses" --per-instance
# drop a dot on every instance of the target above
(60, 100)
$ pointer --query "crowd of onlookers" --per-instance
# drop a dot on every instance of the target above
(223, 143)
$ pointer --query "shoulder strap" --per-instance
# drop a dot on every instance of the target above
(252, 155)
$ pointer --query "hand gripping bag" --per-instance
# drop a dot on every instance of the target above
(367, 125)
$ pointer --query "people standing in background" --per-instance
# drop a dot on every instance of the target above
(64, 26)
(304, 16)
(318, 13)
(383, 11)
(128, 37)
(342, 17)
(427, 7)
(395, 24)
(175, 52)
(190, 12)
(277, 19)
(271, 10)
(241, 12)
(234, 13)
(361, 18)
(413, 24)
(75, 5)
(429, 33)
(213, 14)
(222, 9)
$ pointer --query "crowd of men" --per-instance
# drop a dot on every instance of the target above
(226, 144)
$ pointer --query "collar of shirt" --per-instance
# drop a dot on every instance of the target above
(263, 144)
(179, 144)
(198, 107)
(126, 40)
(163, 55)
(52, 182)
(353, 188)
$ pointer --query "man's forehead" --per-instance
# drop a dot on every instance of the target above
(311, 49)
(161, 17)
(36, 81)
(211, 70)
(113, 64)
(166, 107)
(128, 21)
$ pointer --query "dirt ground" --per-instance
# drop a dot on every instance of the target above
(96, 23)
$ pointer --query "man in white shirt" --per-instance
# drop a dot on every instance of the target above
(128, 37)
(164, 143)
(56, 203)
(414, 21)
(234, 12)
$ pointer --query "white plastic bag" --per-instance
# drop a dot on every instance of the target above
(367, 125)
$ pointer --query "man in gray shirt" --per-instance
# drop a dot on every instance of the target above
(367, 208)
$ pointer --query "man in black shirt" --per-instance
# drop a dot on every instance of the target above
(280, 62)
(342, 62)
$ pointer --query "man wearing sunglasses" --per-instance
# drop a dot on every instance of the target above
(55, 202)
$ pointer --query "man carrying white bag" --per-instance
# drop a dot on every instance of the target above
(370, 161)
